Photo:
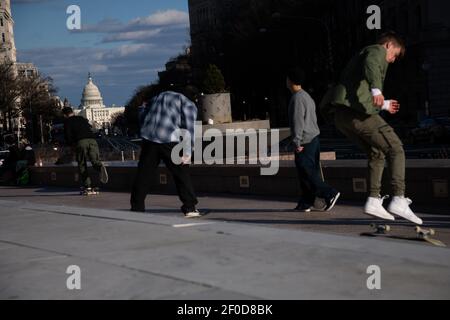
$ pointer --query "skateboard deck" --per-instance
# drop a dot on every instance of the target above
(422, 234)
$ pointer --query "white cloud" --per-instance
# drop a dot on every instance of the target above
(168, 18)
(130, 49)
(163, 18)
(98, 68)
(144, 46)
(117, 71)
(133, 35)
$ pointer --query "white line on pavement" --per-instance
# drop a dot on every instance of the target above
(191, 225)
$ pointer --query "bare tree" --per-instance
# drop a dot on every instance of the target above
(9, 95)
(119, 121)
(38, 104)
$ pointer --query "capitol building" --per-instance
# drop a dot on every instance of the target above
(93, 109)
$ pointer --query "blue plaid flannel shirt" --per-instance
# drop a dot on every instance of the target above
(164, 115)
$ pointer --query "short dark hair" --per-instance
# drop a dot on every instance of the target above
(396, 39)
(296, 75)
(67, 111)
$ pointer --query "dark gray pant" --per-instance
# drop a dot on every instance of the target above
(87, 150)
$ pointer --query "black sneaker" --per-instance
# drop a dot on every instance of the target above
(319, 205)
(303, 207)
(331, 202)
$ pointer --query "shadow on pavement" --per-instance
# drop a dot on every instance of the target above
(434, 223)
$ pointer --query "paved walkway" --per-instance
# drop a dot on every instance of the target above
(253, 249)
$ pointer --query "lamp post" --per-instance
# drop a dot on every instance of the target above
(279, 16)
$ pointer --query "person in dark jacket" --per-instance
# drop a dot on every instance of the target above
(78, 134)
(29, 155)
(9, 174)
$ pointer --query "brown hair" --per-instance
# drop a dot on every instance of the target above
(393, 37)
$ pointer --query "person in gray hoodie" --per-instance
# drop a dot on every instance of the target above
(316, 194)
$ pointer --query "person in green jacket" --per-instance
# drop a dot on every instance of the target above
(354, 105)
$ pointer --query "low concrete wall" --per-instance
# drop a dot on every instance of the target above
(241, 125)
(427, 180)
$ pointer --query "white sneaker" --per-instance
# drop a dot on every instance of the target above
(400, 207)
(374, 207)
(193, 214)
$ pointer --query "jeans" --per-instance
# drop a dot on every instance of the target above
(309, 173)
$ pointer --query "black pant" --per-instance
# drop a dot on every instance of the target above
(308, 167)
(151, 155)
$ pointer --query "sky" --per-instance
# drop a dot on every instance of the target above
(122, 43)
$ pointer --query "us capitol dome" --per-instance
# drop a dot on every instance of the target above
(93, 109)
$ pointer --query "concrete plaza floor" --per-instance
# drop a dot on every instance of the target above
(245, 248)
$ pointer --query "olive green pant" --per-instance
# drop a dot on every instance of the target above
(87, 150)
(373, 135)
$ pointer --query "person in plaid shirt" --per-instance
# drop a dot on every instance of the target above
(161, 121)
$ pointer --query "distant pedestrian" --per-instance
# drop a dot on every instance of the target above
(78, 134)
(165, 114)
(354, 105)
(9, 167)
(29, 155)
(316, 194)
(27, 160)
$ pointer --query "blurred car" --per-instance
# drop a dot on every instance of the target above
(431, 130)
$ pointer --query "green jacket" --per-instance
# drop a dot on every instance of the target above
(366, 71)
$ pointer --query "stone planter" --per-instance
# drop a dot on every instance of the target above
(217, 107)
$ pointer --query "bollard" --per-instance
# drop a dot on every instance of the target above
(134, 156)
(123, 156)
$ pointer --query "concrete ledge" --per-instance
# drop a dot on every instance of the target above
(427, 180)
(244, 125)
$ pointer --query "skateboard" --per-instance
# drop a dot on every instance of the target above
(422, 234)
(89, 192)
(426, 235)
